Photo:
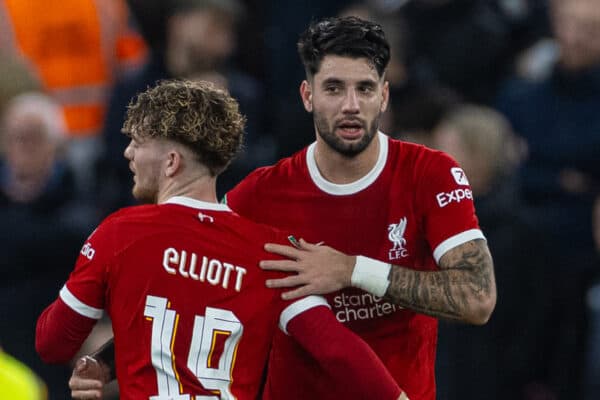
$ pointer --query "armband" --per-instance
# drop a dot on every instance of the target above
(371, 275)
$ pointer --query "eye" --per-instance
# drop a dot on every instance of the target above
(332, 89)
(366, 89)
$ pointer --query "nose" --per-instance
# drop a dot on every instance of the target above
(350, 105)
(128, 153)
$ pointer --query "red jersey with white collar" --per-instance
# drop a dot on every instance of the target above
(190, 311)
(411, 208)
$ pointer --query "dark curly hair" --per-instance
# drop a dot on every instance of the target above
(196, 114)
(348, 37)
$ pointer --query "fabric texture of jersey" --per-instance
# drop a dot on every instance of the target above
(414, 205)
(181, 284)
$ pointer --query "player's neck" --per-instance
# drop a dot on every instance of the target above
(201, 188)
(340, 169)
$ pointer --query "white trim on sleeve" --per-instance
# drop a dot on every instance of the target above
(79, 307)
(456, 240)
(299, 307)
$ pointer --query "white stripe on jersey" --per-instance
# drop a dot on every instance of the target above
(79, 307)
(299, 307)
(454, 241)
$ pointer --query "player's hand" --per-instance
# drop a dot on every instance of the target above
(88, 379)
(319, 269)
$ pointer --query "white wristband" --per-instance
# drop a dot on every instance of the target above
(371, 275)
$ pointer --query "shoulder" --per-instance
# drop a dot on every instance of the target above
(268, 178)
(418, 159)
(127, 217)
(284, 168)
(133, 213)
(257, 232)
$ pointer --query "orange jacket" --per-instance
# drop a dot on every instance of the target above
(75, 47)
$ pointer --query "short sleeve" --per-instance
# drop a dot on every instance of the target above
(447, 205)
(85, 289)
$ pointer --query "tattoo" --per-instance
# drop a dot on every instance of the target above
(456, 291)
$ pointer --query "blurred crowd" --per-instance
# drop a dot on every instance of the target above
(510, 88)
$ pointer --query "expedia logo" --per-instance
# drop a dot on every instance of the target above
(459, 176)
(88, 251)
(455, 196)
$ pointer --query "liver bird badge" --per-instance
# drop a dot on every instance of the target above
(396, 236)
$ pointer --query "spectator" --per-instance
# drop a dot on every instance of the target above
(559, 119)
(15, 78)
(469, 45)
(416, 109)
(506, 355)
(75, 48)
(40, 230)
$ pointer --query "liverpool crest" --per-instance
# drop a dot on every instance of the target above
(396, 236)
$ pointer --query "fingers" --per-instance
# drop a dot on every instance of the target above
(296, 293)
(304, 245)
(82, 387)
(289, 281)
(85, 388)
(286, 251)
(279, 265)
(86, 394)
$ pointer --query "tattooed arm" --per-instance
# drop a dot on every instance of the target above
(464, 289)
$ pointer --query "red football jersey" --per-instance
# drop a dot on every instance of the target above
(190, 311)
(411, 208)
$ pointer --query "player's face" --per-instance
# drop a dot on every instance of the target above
(347, 98)
(146, 158)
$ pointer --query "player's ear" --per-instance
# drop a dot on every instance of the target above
(306, 95)
(172, 163)
(385, 93)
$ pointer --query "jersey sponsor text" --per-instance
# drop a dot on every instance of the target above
(457, 195)
(354, 307)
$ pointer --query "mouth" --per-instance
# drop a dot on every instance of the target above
(133, 175)
(350, 129)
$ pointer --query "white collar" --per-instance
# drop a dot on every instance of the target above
(353, 187)
(193, 203)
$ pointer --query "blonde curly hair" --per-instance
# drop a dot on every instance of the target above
(196, 114)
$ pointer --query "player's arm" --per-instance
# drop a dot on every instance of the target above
(319, 332)
(464, 288)
(65, 324)
(60, 332)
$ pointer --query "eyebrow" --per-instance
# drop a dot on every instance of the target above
(330, 81)
(338, 81)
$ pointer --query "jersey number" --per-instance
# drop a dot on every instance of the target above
(215, 339)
